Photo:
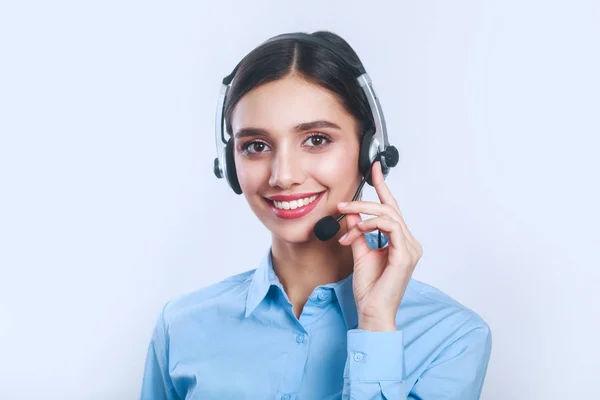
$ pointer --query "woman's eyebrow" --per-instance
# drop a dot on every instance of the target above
(250, 132)
(302, 127)
(307, 126)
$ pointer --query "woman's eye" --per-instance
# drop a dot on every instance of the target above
(317, 140)
(259, 147)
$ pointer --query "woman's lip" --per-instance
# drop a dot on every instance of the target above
(296, 213)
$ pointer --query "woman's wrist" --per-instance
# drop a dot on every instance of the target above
(378, 326)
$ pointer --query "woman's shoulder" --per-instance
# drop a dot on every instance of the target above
(429, 293)
(222, 294)
(433, 306)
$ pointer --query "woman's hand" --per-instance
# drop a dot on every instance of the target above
(380, 275)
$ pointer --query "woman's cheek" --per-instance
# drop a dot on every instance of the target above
(336, 169)
(249, 176)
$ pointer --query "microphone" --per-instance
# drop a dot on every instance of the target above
(327, 227)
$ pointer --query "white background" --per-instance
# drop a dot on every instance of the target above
(109, 206)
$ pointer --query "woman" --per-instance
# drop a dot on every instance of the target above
(318, 319)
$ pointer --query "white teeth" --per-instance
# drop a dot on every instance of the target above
(292, 205)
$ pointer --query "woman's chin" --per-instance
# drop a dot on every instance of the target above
(297, 234)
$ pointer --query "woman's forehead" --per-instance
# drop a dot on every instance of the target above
(288, 102)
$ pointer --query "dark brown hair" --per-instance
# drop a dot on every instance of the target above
(275, 60)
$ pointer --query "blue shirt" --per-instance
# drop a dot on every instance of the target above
(239, 339)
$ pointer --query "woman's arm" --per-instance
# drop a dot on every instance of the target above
(459, 370)
(157, 384)
(375, 367)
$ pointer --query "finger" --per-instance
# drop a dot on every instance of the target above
(403, 253)
(412, 245)
(391, 228)
(359, 242)
(369, 207)
(407, 232)
(402, 242)
(383, 191)
(401, 259)
(372, 208)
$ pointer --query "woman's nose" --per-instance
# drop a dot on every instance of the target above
(286, 171)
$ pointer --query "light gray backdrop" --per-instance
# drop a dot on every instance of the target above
(109, 206)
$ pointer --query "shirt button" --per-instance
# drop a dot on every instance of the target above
(300, 338)
(358, 356)
(321, 296)
(285, 397)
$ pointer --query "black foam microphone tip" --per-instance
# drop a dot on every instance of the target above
(326, 228)
(391, 156)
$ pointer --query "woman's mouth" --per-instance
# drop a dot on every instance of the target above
(295, 208)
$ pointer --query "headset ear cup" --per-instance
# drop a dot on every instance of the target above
(364, 162)
(230, 168)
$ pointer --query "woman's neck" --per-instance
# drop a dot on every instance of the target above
(302, 267)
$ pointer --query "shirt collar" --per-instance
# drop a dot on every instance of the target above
(264, 277)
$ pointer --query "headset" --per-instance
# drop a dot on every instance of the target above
(374, 144)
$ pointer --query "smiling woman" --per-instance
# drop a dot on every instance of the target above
(318, 319)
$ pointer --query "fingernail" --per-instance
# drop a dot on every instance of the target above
(343, 237)
(342, 204)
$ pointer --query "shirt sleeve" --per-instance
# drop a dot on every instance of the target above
(374, 365)
(156, 383)
(459, 370)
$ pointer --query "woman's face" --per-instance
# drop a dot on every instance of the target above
(294, 137)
